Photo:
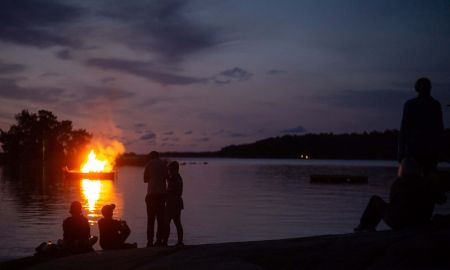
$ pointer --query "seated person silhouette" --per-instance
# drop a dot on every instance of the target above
(77, 236)
(411, 202)
(113, 232)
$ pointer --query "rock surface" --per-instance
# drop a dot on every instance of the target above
(422, 248)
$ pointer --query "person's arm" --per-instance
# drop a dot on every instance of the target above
(178, 186)
(123, 227)
(86, 229)
(181, 186)
(147, 174)
(394, 191)
(441, 136)
(65, 229)
(441, 119)
(402, 133)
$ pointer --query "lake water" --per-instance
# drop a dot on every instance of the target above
(226, 200)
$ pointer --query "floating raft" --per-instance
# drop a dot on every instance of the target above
(89, 175)
(338, 179)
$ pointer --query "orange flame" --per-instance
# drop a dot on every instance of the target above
(103, 158)
(95, 165)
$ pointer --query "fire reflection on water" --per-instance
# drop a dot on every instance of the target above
(91, 191)
(98, 193)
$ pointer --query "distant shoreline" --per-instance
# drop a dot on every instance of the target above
(323, 146)
(141, 159)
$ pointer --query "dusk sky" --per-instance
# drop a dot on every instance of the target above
(179, 75)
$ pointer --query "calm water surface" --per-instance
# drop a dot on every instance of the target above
(225, 200)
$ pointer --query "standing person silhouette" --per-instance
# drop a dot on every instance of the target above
(174, 202)
(421, 128)
(155, 175)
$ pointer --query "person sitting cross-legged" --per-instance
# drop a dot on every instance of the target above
(113, 232)
(77, 237)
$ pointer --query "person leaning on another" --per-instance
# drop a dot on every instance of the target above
(174, 202)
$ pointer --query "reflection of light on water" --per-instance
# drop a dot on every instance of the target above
(98, 193)
(91, 191)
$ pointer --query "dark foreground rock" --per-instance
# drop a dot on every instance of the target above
(408, 249)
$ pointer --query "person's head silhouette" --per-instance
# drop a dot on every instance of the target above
(107, 210)
(75, 208)
(423, 86)
(174, 167)
(153, 155)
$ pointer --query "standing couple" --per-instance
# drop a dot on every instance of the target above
(163, 200)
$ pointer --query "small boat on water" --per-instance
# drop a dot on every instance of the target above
(73, 175)
(338, 179)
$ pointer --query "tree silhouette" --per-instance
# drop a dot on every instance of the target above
(39, 140)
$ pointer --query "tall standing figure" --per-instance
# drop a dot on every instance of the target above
(155, 175)
(422, 127)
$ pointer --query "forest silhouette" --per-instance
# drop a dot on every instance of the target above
(373, 145)
(40, 140)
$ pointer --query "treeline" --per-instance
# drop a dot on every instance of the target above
(39, 140)
(133, 159)
(373, 145)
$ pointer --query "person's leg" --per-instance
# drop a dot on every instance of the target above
(376, 209)
(168, 219)
(160, 220)
(151, 215)
(169, 216)
(177, 222)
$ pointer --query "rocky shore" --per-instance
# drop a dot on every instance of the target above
(420, 248)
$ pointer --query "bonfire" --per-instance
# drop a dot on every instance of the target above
(99, 163)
